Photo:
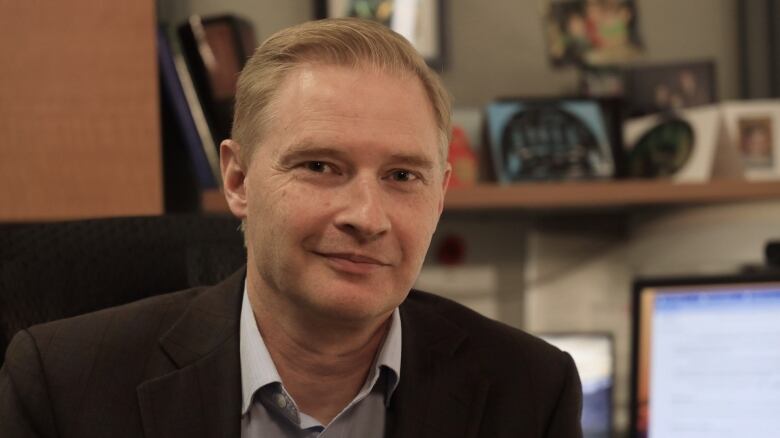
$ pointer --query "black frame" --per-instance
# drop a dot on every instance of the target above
(438, 62)
(613, 112)
(635, 85)
(641, 283)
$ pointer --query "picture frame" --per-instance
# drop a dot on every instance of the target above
(421, 21)
(591, 32)
(548, 140)
(680, 146)
(752, 128)
(649, 89)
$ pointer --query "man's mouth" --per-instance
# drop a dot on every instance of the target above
(352, 263)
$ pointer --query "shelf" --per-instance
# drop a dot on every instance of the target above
(574, 195)
(582, 195)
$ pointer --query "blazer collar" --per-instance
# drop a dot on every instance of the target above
(202, 397)
(438, 395)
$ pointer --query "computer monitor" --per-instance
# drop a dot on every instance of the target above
(706, 357)
(593, 353)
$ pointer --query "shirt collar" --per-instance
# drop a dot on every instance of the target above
(258, 369)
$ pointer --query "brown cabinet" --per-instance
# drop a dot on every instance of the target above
(79, 123)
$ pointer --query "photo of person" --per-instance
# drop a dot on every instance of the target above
(755, 141)
(419, 21)
(376, 10)
(666, 87)
(591, 32)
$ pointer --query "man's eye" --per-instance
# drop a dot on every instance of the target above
(403, 175)
(318, 166)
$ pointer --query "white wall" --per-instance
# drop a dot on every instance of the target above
(497, 47)
(495, 247)
(268, 16)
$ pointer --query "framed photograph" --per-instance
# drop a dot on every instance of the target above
(420, 21)
(680, 146)
(591, 32)
(755, 137)
(658, 88)
(548, 140)
(753, 129)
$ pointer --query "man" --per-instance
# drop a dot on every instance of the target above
(337, 166)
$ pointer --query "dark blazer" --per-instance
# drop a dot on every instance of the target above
(168, 366)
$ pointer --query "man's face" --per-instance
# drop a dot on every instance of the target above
(344, 192)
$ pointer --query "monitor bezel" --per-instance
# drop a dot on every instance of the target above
(641, 283)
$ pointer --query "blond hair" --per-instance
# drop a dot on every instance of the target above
(347, 42)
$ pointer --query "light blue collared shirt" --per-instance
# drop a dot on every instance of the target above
(268, 409)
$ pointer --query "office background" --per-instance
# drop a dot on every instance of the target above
(544, 271)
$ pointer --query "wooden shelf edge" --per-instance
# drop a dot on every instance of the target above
(569, 195)
(574, 195)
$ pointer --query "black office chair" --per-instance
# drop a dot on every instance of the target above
(56, 270)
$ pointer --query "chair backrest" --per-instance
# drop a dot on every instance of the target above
(56, 270)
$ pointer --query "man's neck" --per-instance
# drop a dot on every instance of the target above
(323, 368)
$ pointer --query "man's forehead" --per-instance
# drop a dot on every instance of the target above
(359, 67)
(332, 91)
(314, 96)
(307, 76)
(306, 73)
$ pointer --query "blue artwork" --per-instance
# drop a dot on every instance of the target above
(548, 140)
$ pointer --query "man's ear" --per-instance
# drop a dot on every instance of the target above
(233, 177)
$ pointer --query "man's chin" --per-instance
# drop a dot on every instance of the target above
(348, 306)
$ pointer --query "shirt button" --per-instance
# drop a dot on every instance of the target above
(280, 400)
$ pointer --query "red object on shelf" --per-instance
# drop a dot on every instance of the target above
(452, 250)
(462, 159)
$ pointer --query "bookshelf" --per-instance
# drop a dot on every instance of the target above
(581, 195)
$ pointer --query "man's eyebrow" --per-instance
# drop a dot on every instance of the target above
(307, 150)
(412, 160)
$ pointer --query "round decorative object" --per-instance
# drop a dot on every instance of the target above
(546, 142)
(663, 150)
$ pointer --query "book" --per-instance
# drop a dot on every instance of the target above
(178, 90)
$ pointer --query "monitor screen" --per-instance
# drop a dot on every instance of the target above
(706, 358)
(594, 356)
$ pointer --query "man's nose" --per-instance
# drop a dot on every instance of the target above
(364, 210)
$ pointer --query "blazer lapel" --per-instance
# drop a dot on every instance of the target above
(202, 397)
(437, 394)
